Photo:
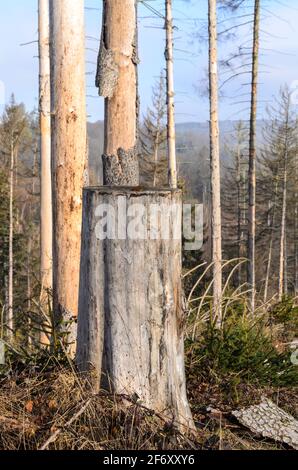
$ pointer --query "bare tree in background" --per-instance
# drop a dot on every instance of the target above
(153, 139)
(170, 97)
(251, 239)
(215, 162)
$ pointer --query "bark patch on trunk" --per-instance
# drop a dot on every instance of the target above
(121, 169)
(268, 420)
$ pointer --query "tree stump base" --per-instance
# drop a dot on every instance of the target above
(131, 320)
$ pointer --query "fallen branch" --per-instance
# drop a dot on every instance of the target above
(55, 435)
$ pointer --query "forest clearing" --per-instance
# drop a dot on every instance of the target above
(149, 264)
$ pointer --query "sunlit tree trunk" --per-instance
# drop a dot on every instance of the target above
(215, 163)
(252, 158)
(117, 82)
(69, 146)
(10, 319)
(46, 215)
(170, 96)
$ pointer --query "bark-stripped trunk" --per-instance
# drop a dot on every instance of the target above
(251, 279)
(46, 227)
(172, 162)
(296, 232)
(46, 209)
(69, 148)
(10, 241)
(117, 82)
(131, 300)
(29, 290)
(215, 163)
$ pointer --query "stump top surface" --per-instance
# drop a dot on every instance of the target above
(132, 190)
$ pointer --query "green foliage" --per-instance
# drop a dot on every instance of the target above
(243, 348)
(286, 313)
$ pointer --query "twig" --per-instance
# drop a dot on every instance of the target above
(55, 435)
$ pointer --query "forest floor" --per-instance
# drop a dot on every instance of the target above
(38, 403)
(45, 404)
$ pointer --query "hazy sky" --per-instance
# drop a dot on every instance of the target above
(279, 61)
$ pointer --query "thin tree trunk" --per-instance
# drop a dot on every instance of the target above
(10, 261)
(46, 216)
(252, 157)
(29, 293)
(282, 243)
(156, 148)
(215, 163)
(69, 148)
(117, 81)
(296, 237)
(172, 162)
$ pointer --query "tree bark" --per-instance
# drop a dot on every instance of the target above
(252, 158)
(69, 149)
(46, 216)
(170, 97)
(282, 280)
(130, 299)
(10, 318)
(215, 163)
(117, 81)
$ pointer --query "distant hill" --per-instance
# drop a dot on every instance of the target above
(192, 138)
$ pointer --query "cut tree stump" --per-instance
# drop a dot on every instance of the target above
(131, 320)
(268, 420)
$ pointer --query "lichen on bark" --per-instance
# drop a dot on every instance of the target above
(121, 169)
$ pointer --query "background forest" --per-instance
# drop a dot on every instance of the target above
(241, 338)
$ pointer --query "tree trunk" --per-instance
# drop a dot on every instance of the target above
(69, 149)
(130, 298)
(10, 258)
(252, 158)
(46, 216)
(282, 241)
(270, 251)
(296, 235)
(170, 97)
(117, 82)
(215, 163)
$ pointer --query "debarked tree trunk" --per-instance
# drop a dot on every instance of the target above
(131, 319)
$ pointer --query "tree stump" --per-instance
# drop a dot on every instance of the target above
(131, 319)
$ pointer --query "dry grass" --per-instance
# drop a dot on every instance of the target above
(35, 405)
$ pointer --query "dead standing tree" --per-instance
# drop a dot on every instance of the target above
(46, 222)
(130, 329)
(251, 242)
(69, 149)
(170, 96)
(215, 163)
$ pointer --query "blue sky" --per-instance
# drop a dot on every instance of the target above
(19, 65)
